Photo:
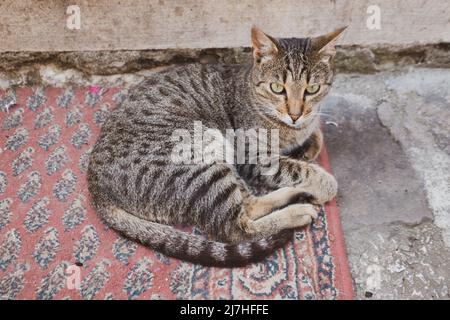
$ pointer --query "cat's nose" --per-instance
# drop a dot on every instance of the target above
(294, 117)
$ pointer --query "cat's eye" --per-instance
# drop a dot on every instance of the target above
(276, 87)
(313, 88)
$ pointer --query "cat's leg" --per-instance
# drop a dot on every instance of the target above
(316, 142)
(220, 203)
(305, 178)
(310, 149)
(268, 203)
(279, 210)
(269, 214)
(292, 216)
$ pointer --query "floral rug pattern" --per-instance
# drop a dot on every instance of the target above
(53, 245)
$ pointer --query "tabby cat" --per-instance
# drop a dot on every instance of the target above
(139, 191)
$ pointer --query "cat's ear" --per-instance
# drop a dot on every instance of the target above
(264, 47)
(325, 45)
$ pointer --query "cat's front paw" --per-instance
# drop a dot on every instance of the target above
(322, 185)
(311, 154)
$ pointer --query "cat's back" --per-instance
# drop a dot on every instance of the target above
(192, 92)
(166, 101)
(136, 142)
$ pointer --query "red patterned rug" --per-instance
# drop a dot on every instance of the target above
(53, 245)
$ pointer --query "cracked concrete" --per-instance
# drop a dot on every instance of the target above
(390, 154)
(395, 261)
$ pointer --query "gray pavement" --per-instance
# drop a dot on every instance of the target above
(388, 139)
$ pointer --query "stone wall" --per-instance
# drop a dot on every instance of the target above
(41, 25)
(120, 41)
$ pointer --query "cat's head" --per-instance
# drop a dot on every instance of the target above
(292, 75)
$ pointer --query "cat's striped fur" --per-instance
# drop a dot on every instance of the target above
(139, 191)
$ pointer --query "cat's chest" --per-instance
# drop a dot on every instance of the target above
(293, 138)
(288, 138)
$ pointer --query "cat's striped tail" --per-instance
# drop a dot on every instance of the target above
(185, 246)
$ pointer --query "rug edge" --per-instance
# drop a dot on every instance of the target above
(344, 282)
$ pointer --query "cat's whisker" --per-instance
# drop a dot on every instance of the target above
(323, 113)
(326, 115)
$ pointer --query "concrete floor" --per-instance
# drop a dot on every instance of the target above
(388, 139)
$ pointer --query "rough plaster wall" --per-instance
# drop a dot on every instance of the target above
(40, 25)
